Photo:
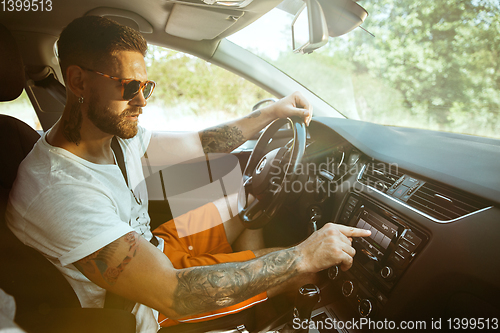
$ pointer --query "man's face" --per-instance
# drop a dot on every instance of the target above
(107, 110)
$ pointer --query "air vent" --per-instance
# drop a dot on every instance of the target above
(444, 203)
(380, 175)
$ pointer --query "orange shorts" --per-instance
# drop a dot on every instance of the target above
(204, 248)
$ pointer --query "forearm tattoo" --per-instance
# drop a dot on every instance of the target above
(110, 261)
(208, 288)
(221, 139)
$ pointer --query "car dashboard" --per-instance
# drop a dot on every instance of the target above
(431, 202)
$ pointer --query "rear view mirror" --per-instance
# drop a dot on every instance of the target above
(309, 28)
(342, 16)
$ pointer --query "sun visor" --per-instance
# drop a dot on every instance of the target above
(198, 23)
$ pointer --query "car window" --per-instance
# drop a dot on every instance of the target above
(192, 94)
(432, 67)
(21, 109)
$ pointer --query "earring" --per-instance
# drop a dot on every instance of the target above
(80, 100)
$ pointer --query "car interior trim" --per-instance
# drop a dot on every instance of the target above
(360, 174)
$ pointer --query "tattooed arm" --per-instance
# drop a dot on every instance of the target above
(212, 287)
(168, 148)
(131, 267)
(106, 265)
(228, 136)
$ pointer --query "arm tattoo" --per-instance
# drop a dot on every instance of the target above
(207, 288)
(110, 261)
(221, 139)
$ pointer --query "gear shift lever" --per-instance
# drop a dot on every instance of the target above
(307, 297)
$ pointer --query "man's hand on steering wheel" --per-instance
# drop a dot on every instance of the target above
(294, 105)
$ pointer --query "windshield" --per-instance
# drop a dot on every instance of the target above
(431, 64)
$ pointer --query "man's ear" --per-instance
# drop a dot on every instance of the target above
(76, 80)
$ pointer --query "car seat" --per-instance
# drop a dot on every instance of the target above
(45, 300)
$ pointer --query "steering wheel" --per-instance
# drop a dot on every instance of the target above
(266, 175)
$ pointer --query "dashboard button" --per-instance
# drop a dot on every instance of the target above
(353, 201)
(347, 288)
(410, 236)
(350, 206)
(410, 182)
(407, 244)
(386, 272)
(400, 191)
(333, 272)
(397, 259)
(395, 185)
(345, 217)
(365, 308)
(403, 252)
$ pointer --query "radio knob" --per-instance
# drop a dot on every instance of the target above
(365, 308)
(333, 272)
(347, 288)
(386, 272)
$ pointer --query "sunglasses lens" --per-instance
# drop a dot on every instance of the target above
(131, 89)
(148, 89)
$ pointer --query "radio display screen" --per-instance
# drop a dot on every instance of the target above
(382, 230)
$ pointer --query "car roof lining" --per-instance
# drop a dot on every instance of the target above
(155, 12)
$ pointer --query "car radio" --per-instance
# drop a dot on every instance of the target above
(380, 259)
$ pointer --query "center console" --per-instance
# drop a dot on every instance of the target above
(351, 300)
(381, 259)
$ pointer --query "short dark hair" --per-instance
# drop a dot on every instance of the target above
(90, 41)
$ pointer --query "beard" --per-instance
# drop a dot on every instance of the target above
(108, 122)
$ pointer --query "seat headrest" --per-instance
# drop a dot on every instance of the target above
(11, 67)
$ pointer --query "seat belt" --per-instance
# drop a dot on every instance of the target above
(120, 160)
(119, 157)
(112, 300)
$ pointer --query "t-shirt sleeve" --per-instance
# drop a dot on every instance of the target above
(75, 221)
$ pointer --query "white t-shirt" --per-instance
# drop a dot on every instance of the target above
(67, 208)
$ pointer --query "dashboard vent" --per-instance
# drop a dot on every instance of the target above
(444, 203)
(380, 175)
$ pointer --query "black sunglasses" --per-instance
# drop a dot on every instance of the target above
(130, 87)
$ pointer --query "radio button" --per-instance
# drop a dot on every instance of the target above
(411, 237)
(403, 252)
(385, 242)
(407, 245)
(353, 201)
(360, 224)
(397, 259)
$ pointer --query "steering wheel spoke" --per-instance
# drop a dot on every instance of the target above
(260, 177)
(254, 209)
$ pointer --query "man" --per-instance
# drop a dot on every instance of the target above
(72, 202)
